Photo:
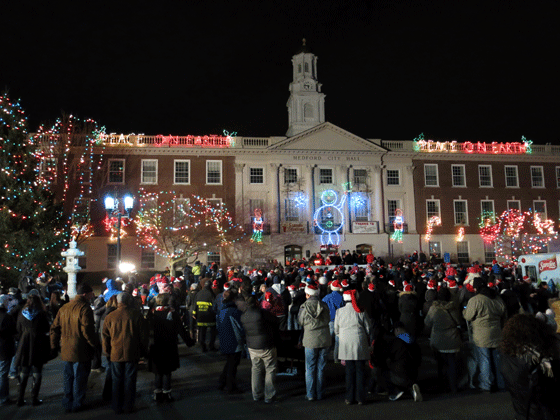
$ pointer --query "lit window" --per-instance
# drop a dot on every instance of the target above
(149, 171)
(256, 176)
(461, 214)
(458, 175)
(511, 176)
(214, 172)
(116, 171)
(182, 172)
(432, 209)
(291, 210)
(360, 206)
(431, 175)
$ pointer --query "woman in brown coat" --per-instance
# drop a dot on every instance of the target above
(34, 346)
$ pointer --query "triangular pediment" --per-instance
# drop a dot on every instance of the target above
(327, 137)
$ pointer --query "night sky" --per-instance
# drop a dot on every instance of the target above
(464, 70)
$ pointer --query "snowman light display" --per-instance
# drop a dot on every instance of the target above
(325, 216)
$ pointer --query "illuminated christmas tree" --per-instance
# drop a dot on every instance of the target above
(69, 165)
(31, 225)
(179, 228)
(516, 233)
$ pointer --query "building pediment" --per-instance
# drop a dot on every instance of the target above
(327, 137)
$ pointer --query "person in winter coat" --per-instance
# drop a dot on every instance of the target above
(205, 315)
(73, 332)
(314, 317)
(353, 327)
(442, 321)
(33, 346)
(409, 310)
(530, 365)
(231, 342)
(430, 296)
(334, 301)
(259, 326)
(487, 313)
(125, 341)
(7, 348)
(403, 358)
(166, 325)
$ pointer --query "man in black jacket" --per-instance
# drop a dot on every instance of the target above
(205, 314)
(260, 326)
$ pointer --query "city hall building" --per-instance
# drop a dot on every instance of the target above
(321, 188)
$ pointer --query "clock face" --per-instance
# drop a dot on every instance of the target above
(307, 85)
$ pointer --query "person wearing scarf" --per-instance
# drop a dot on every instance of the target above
(353, 328)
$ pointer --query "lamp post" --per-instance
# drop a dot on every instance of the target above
(114, 210)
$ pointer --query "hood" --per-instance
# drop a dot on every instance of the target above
(444, 305)
(314, 307)
(278, 288)
(111, 290)
(29, 314)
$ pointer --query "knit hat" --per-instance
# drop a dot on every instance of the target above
(311, 290)
(336, 286)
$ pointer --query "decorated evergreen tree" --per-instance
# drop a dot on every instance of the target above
(31, 224)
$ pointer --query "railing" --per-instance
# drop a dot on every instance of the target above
(255, 141)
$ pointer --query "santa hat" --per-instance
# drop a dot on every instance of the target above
(135, 292)
(177, 280)
(345, 284)
(215, 284)
(408, 288)
(392, 283)
(527, 279)
(390, 266)
(431, 284)
(311, 290)
(291, 288)
(268, 296)
(317, 271)
(227, 286)
(469, 287)
(371, 287)
(452, 284)
(350, 296)
(491, 285)
(336, 286)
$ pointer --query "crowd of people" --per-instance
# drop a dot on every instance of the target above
(489, 328)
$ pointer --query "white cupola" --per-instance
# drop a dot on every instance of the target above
(306, 105)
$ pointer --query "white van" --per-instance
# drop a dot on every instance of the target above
(542, 267)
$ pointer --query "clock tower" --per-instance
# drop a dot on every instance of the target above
(306, 105)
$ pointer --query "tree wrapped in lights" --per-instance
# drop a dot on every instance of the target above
(516, 233)
(31, 225)
(179, 228)
(65, 150)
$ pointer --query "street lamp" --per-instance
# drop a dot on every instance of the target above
(114, 210)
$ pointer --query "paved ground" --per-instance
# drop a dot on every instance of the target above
(197, 397)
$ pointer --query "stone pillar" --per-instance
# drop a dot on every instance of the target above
(72, 267)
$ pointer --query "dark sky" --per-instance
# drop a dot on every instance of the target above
(465, 70)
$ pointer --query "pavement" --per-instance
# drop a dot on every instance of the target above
(197, 397)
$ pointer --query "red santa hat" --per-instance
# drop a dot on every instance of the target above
(215, 284)
(408, 288)
(291, 288)
(391, 282)
(371, 287)
(345, 284)
(350, 296)
(527, 279)
(336, 286)
(452, 284)
(311, 290)
(268, 296)
(491, 285)
(469, 287)
(432, 284)
(390, 265)
(135, 292)
(227, 286)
